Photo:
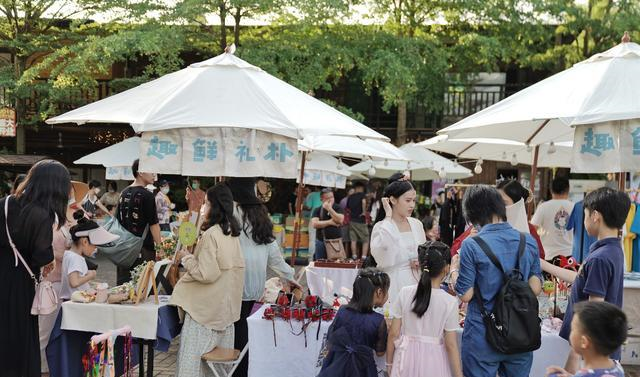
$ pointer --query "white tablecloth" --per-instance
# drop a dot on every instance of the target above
(100, 318)
(291, 359)
(325, 282)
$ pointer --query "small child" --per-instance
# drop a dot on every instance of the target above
(85, 236)
(357, 330)
(601, 276)
(425, 319)
(597, 330)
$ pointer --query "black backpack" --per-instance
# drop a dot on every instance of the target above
(513, 326)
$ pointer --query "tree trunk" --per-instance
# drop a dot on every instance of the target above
(237, 17)
(585, 46)
(223, 26)
(21, 143)
(402, 123)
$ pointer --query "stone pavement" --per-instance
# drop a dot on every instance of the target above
(164, 362)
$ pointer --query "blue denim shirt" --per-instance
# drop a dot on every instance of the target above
(476, 269)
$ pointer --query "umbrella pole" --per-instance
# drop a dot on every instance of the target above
(297, 220)
(621, 181)
(534, 174)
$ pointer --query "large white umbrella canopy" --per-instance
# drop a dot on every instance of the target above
(556, 156)
(602, 88)
(324, 170)
(352, 147)
(119, 154)
(224, 91)
(423, 165)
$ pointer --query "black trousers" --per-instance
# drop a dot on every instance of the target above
(242, 337)
(123, 275)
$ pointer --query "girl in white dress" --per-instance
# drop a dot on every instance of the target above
(422, 339)
(395, 240)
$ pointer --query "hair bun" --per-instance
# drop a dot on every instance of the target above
(79, 216)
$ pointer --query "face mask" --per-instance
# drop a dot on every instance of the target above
(165, 190)
(195, 186)
(97, 191)
(112, 190)
(71, 201)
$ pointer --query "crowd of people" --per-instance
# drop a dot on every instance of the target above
(415, 278)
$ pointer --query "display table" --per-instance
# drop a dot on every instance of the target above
(325, 282)
(290, 358)
(152, 325)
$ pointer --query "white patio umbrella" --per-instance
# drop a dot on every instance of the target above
(117, 158)
(558, 156)
(352, 147)
(599, 90)
(224, 91)
(324, 170)
(423, 165)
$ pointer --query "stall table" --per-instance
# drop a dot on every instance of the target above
(153, 325)
(291, 358)
(327, 281)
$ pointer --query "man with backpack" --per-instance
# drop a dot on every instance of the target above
(137, 214)
(498, 273)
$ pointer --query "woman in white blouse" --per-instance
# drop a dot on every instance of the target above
(261, 252)
(395, 240)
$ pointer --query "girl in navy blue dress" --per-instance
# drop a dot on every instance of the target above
(357, 331)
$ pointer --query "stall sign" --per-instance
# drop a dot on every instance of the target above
(7, 122)
(607, 147)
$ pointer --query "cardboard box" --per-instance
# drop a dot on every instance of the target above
(304, 240)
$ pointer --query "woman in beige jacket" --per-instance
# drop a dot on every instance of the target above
(210, 293)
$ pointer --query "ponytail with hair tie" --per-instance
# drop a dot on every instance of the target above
(434, 256)
(368, 281)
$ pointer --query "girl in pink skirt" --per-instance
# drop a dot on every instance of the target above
(422, 339)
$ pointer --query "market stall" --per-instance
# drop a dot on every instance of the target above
(153, 325)
(300, 353)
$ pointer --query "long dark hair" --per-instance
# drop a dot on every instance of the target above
(434, 256)
(221, 211)
(47, 186)
(83, 224)
(395, 189)
(364, 289)
(257, 216)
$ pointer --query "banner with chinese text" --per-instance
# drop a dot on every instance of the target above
(116, 173)
(7, 122)
(214, 152)
(607, 147)
(324, 179)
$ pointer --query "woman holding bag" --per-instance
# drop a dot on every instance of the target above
(31, 213)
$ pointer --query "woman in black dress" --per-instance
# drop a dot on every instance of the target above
(32, 213)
